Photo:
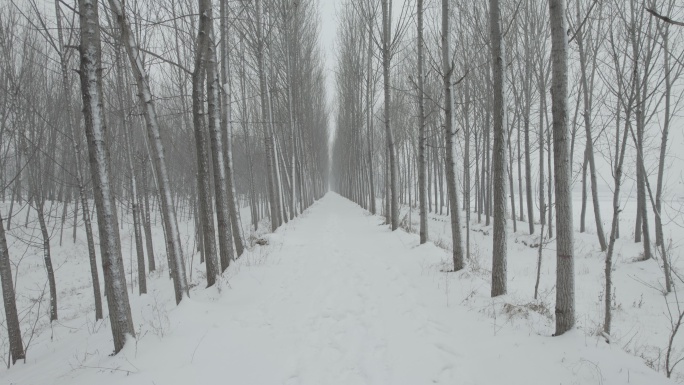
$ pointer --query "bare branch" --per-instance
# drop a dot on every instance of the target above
(664, 18)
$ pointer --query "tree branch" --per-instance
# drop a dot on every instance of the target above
(581, 25)
(165, 60)
(664, 18)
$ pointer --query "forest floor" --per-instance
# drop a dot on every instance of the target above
(334, 298)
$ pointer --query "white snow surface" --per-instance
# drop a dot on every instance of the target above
(334, 298)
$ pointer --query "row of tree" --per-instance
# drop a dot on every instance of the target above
(201, 107)
(469, 112)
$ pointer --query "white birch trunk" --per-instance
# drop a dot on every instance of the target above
(110, 247)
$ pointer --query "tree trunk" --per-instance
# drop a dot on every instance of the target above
(292, 117)
(549, 189)
(521, 217)
(47, 257)
(422, 190)
(96, 133)
(16, 346)
(205, 200)
(542, 177)
(393, 167)
(227, 129)
(254, 199)
(608, 272)
(369, 116)
(388, 215)
(640, 116)
(265, 117)
(565, 268)
(225, 235)
(277, 181)
(133, 183)
(487, 163)
(526, 129)
(76, 144)
(590, 141)
(583, 212)
(510, 180)
(499, 167)
(466, 163)
(143, 185)
(447, 69)
(664, 33)
(172, 235)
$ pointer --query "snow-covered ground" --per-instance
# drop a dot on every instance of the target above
(641, 320)
(334, 298)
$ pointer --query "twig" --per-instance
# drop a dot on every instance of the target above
(198, 344)
(107, 368)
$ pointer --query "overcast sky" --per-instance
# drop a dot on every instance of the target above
(328, 14)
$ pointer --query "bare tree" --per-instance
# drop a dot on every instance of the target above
(447, 70)
(499, 167)
(587, 98)
(227, 127)
(206, 216)
(422, 188)
(172, 234)
(110, 246)
(76, 144)
(273, 188)
(391, 151)
(225, 235)
(565, 270)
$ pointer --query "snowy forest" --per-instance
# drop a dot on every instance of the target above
(341, 191)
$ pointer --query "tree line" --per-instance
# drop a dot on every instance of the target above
(497, 109)
(168, 109)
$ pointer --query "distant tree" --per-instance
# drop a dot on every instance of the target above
(422, 188)
(76, 144)
(389, 135)
(586, 79)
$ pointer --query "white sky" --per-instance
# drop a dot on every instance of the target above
(328, 13)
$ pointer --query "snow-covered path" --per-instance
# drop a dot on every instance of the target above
(350, 315)
(336, 298)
